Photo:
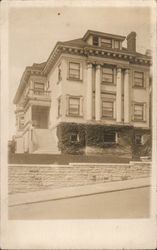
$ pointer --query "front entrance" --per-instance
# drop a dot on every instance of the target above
(40, 117)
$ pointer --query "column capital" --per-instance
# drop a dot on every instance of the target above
(89, 65)
(119, 69)
(98, 65)
(126, 71)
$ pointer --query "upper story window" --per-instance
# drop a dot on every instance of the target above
(106, 42)
(59, 73)
(74, 106)
(74, 137)
(74, 70)
(95, 41)
(107, 75)
(138, 79)
(59, 107)
(139, 112)
(107, 109)
(116, 44)
(21, 122)
(38, 88)
(138, 139)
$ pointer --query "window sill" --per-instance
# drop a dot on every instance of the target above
(108, 118)
(74, 79)
(111, 143)
(77, 116)
(108, 83)
(139, 121)
(138, 87)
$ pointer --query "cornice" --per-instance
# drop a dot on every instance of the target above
(87, 51)
(98, 52)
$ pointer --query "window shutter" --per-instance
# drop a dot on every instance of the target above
(132, 111)
(144, 112)
(114, 76)
(81, 71)
(114, 109)
(81, 106)
(146, 79)
(67, 105)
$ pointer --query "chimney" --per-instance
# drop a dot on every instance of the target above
(131, 41)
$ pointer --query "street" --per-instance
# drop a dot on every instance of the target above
(132, 203)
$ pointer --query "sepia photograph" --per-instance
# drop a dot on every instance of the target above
(80, 116)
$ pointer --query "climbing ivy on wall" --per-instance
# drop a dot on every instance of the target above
(90, 135)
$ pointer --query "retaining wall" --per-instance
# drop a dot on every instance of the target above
(26, 178)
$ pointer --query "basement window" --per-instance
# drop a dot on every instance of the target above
(74, 137)
(110, 137)
(138, 139)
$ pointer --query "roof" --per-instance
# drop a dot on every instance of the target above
(102, 34)
(76, 43)
(25, 76)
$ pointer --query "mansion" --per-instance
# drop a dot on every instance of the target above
(91, 96)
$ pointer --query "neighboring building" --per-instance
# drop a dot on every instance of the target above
(91, 96)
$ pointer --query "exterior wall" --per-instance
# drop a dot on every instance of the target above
(19, 145)
(56, 92)
(74, 88)
(28, 178)
(140, 95)
(91, 140)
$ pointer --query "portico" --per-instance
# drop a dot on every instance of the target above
(121, 75)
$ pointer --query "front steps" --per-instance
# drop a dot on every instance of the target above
(45, 142)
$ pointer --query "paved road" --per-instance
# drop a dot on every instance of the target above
(133, 203)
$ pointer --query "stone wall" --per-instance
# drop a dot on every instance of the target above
(27, 178)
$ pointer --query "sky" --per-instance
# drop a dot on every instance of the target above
(33, 33)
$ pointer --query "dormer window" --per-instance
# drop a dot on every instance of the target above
(105, 42)
(116, 44)
(95, 41)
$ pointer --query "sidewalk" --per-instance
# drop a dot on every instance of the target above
(63, 193)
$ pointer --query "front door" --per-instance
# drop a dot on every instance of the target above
(40, 117)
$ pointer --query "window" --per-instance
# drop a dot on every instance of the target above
(59, 107)
(95, 41)
(38, 88)
(74, 137)
(107, 75)
(74, 70)
(106, 42)
(21, 122)
(74, 106)
(138, 79)
(107, 109)
(59, 73)
(138, 112)
(109, 137)
(138, 139)
(116, 44)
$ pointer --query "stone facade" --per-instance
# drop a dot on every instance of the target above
(28, 178)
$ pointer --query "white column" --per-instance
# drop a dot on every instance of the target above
(89, 92)
(119, 95)
(126, 97)
(98, 93)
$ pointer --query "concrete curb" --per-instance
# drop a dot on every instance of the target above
(69, 192)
